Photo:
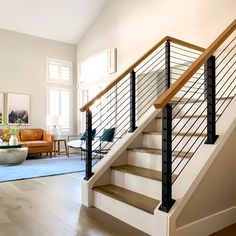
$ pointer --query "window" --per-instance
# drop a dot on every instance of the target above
(59, 109)
(59, 117)
(59, 71)
(93, 76)
(97, 67)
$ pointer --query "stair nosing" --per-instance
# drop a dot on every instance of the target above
(130, 201)
(140, 171)
(159, 151)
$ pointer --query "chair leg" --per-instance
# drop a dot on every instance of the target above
(50, 154)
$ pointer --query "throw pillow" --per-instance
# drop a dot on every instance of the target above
(108, 135)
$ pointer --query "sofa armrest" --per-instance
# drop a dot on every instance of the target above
(48, 137)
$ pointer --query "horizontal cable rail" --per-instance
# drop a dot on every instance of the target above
(114, 108)
(118, 108)
(197, 107)
(170, 93)
(134, 65)
(193, 105)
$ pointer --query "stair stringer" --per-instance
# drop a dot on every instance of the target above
(102, 172)
(189, 180)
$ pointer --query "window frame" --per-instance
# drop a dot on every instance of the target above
(61, 89)
(61, 63)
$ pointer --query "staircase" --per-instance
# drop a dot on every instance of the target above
(154, 146)
(135, 188)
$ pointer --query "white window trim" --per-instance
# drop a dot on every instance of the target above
(70, 64)
(71, 128)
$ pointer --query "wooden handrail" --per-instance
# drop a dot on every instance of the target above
(174, 89)
(127, 71)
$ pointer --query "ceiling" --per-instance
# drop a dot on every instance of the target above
(60, 20)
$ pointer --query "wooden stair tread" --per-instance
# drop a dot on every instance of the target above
(137, 200)
(159, 151)
(173, 133)
(140, 171)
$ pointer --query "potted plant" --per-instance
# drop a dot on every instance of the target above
(10, 132)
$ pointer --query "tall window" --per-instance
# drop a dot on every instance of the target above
(59, 96)
(93, 76)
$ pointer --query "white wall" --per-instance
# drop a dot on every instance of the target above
(23, 68)
(134, 26)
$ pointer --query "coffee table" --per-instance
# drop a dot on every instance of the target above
(13, 155)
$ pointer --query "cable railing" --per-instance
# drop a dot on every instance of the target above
(195, 131)
(119, 107)
(193, 105)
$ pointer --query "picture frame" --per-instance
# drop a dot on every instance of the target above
(1, 107)
(18, 108)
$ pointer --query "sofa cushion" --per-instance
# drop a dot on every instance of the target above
(35, 143)
(31, 134)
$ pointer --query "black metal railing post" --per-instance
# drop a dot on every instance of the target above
(167, 64)
(132, 102)
(167, 201)
(88, 168)
(211, 100)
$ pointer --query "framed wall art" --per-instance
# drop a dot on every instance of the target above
(18, 108)
(1, 107)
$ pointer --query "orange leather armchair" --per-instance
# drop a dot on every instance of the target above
(37, 141)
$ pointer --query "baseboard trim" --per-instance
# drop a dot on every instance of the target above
(209, 224)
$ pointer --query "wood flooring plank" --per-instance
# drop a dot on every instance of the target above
(51, 206)
(228, 231)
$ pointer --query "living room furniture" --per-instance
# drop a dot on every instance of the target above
(57, 147)
(13, 155)
(78, 140)
(100, 144)
(37, 141)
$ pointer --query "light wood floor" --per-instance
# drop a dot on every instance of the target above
(51, 206)
(228, 231)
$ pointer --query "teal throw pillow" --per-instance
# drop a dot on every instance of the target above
(84, 136)
(108, 135)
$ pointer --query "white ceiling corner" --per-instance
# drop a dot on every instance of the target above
(60, 20)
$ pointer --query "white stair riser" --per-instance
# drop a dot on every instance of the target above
(185, 124)
(187, 143)
(138, 184)
(154, 161)
(145, 160)
(127, 213)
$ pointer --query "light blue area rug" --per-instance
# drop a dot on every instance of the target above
(40, 167)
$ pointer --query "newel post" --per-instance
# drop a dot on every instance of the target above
(167, 64)
(132, 102)
(88, 169)
(211, 100)
(167, 201)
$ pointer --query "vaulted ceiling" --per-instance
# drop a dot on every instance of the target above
(61, 20)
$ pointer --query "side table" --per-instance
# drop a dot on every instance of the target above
(57, 147)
